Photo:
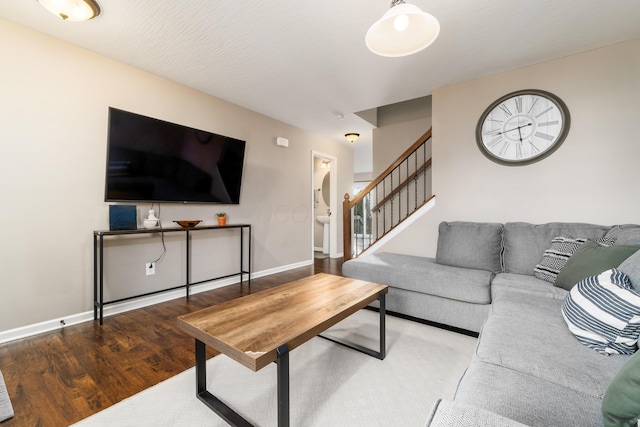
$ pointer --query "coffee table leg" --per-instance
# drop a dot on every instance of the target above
(215, 404)
(283, 386)
(383, 346)
(383, 327)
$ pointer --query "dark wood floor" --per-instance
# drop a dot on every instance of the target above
(61, 377)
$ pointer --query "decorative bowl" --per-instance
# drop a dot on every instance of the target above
(189, 222)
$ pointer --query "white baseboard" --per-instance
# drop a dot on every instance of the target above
(109, 310)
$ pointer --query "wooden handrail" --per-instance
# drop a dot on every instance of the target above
(388, 170)
(401, 186)
(348, 205)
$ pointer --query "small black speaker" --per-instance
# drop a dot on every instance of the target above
(123, 217)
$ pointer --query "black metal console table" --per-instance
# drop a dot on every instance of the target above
(98, 261)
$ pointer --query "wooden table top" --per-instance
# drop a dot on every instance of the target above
(250, 329)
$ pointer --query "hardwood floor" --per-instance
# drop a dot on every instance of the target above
(61, 377)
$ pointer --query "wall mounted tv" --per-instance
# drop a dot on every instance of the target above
(150, 160)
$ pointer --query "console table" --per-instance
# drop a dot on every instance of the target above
(98, 260)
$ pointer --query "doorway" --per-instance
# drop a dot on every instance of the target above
(323, 205)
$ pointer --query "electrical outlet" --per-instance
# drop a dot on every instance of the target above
(151, 268)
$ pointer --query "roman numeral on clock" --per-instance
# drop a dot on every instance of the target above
(544, 136)
(494, 142)
(506, 110)
(518, 101)
(544, 112)
(534, 148)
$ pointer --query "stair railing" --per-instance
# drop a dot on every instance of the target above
(388, 200)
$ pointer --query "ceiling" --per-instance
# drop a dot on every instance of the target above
(305, 62)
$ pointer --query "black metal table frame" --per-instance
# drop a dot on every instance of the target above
(282, 361)
(98, 262)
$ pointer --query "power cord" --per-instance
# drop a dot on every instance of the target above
(164, 247)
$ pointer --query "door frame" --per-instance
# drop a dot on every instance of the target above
(333, 202)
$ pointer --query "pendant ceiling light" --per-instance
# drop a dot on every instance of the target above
(72, 10)
(402, 31)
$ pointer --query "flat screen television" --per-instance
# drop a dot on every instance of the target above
(151, 160)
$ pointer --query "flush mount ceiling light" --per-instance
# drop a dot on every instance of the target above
(402, 31)
(351, 137)
(72, 10)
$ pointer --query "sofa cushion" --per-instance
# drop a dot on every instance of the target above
(621, 403)
(527, 399)
(473, 245)
(591, 259)
(421, 274)
(446, 311)
(631, 267)
(522, 283)
(535, 307)
(525, 243)
(603, 312)
(446, 413)
(546, 350)
(625, 235)
(555, 258)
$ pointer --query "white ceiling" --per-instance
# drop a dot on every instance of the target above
(304, 62)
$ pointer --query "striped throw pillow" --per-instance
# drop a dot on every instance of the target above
(555, 258)
(603, 312)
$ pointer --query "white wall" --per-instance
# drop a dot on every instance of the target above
(592, 177)
(53, 127)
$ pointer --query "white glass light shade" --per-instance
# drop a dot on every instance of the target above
(402, 31)
(351, 137)
(72, 10)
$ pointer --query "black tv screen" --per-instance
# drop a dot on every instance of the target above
(151, 160)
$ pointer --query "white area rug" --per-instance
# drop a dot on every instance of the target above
(6, 410)
(330, 385)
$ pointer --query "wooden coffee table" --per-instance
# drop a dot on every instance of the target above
(264, 327)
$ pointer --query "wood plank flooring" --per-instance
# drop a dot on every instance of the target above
(58, 378)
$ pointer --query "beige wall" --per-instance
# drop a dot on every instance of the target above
(53, 129)
(399, 126)
(592, 177)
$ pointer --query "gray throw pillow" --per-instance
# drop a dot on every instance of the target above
(474, 245)
(631, 267)
(625, 235)
(591, 259)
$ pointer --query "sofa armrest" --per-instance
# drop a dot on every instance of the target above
(446, 413)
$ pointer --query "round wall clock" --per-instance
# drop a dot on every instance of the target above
(522, 127)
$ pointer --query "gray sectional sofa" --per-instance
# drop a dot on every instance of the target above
(528, 368)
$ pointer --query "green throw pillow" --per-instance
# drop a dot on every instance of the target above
(589, 260)
(621, 403)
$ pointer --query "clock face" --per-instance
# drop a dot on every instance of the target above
(522, 127)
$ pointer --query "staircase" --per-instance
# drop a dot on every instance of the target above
(391, 198)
